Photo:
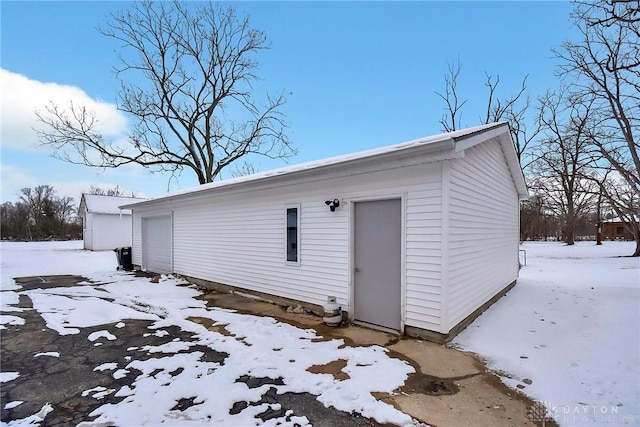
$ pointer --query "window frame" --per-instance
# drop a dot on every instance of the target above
(286, 234)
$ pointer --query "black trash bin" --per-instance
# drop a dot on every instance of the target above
(124, 258)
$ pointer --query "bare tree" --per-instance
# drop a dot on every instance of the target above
(512, 109)
(63, 209)
(186, 74)
(621, 198)
(604, 70)
(14, 220)
(40, 209)
(39, 214)
(537, 220)
(499, 108)
(113, 191)
(563, 158)
(46, 214)
(450, 119)
(247, 168)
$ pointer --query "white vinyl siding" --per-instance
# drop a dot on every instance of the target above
(106, 231)
(423, 272)
(239, 241)
(238, 238)
(483, 230)
(136, 237)
(87, 227)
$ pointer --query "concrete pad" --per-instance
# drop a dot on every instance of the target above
(479, 402)
(303, 320)
(438, 360)
(362, 336)
(241, 303)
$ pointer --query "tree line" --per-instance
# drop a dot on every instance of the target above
(40, 214)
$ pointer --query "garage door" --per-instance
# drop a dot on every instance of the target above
(157, 244)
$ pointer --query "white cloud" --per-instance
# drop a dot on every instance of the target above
(25, 164)
(21, 97)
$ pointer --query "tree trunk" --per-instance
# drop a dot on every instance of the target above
(634, 228)
(599, 219)
(569, 237)
(571, 222)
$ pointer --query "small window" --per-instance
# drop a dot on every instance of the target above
(293, 247)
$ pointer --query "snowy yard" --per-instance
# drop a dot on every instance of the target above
(255, 346)
(568, 335)
(571, 327)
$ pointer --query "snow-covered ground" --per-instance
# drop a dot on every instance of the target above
(256, 346)
(568, 335)
(571, 327)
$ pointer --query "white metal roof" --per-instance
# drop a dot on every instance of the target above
(95, 203)
(450, 142)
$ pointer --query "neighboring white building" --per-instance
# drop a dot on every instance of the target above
(424, 238)
(104, 224)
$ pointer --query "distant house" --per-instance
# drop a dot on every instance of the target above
(614, 229)
(104, 225)
(416, 238)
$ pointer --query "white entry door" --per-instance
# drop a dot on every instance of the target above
(157, 244)
(377, 257)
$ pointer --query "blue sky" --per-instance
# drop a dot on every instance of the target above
(360, 74)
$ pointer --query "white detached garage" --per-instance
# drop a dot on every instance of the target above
(417, 237)
(104, 225)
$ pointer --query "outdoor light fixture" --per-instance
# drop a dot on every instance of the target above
(333, 204)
